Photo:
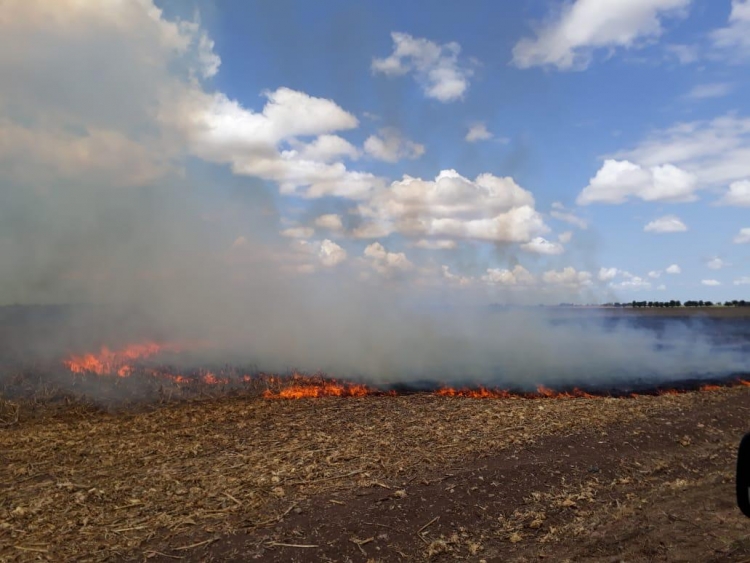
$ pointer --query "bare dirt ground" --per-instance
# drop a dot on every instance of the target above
(411, 478)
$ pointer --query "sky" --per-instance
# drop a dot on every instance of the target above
(495, 151)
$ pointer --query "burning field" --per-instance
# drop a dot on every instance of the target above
(124, 453)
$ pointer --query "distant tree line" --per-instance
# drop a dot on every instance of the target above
(677, 303)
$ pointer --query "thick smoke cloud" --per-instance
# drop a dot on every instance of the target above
(134, 190)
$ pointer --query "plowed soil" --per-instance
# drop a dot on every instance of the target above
(411, 478)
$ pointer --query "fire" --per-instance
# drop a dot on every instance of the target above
(542, 392)
(321, 390)
(314, 386)
(109, 362)
(125, 363)
(477, 393)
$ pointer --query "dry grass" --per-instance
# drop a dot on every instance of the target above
(90, 485)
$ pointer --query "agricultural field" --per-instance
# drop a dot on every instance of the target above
(133, 461)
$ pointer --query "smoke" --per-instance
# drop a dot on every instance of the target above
(133, 194)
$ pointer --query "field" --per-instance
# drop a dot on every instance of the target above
(219, 476)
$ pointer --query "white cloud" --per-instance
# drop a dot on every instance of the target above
(673, 269)
(666, 224)
(715, 152)
(391, 146)
(607, 274)
(570, 39)
(560, 213)
(632, 283)
(384, 262)
(716, 264)
(436, 67)
(451, 206)
(567, 277)
(742, 281)
(712, 90)
(734, 39)
(565, 237)
(685, 54)
(330, 221)
(711, 282)
(298, 232)
(654, 274)
(455, 278)
(518, 276)
(540, 245)
(331, 254)
(619, 180)
(222, 131)
(436, 244)
(326, 148)
(478, 132)
(743, 237)
(737, 195)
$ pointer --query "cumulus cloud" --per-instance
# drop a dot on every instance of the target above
(298, 232)
(711, 282)
(455, 278)
(742, 281)
(737, 195)
(619, 180)
(716, 152)
(384, 262)
(716, 264)
(330, 221)
(607, 274)
(451, 206)
(666, 224)
(568, 277)
(560, 213)
(711, 90)
(325, 252)
(518, 276)
(331, 254)
(390, 146)
(633, 283)
(436, 244)
(478, 132)
(734, 39)
(325, 148)
(223, 131)
(743, 237)
(673, 269)
(569, 39)
(437, 68)
(540, 245)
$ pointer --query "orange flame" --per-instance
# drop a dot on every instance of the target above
(108, 362)
(299, 386)
(321, 389)
(477, 393)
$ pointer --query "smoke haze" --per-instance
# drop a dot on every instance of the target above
(136, 190)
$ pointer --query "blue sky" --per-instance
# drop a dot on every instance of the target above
(612, 139)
